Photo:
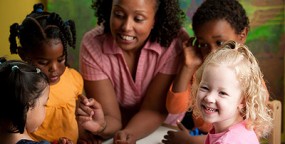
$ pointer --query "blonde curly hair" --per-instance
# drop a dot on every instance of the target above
(238, 57)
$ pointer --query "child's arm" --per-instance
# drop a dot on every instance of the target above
(192, 60)
(178, 102)
(179, 94)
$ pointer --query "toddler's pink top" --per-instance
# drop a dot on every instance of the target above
(236, 134)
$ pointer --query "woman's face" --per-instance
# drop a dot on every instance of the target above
(131, 22)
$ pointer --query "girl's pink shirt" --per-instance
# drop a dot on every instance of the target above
(236, 134)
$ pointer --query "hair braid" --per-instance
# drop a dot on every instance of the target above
(73, 33)
(14, 32)
(55, 19)
(37, 29)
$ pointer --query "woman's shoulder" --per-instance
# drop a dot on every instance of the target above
(94, 41)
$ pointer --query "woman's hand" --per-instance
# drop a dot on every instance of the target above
(90, 115)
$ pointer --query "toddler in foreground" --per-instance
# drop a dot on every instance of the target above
(24, 94)
(229, 93)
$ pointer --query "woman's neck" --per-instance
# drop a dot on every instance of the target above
(131, 60)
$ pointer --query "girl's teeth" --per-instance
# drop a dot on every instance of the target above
(210, 109)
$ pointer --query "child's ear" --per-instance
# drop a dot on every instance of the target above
(241, 106)
(243, 35)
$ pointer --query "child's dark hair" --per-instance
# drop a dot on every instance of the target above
(38, 28)
(168, 19)
(21, 85)
(229, 10)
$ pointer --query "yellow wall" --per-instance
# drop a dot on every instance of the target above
(12, 11)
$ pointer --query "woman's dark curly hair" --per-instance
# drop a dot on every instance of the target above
(169, 19)
(229, 10)
(38, 28)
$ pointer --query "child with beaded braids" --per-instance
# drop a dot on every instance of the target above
(44, 38)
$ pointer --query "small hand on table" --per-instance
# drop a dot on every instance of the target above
(177, 137)
(124, 137)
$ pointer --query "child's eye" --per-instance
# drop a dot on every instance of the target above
(219, 43)
(204, 88)
(42, 62)
(61, 60)
(202, 45)
(223, 93)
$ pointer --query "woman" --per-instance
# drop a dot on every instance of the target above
(128, 63)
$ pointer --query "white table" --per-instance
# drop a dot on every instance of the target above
(153, 138)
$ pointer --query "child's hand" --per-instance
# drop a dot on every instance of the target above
(86, 137)
(179, 137)
(63, 140)
(123, 137)
(192, 55)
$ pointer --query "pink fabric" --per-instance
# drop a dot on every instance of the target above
(236, 134)
(173, 118)
(100, 59)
